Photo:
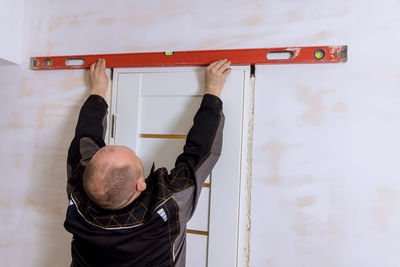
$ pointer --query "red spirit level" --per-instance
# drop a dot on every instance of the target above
(283, 55)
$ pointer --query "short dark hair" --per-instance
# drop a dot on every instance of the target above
(118, 183)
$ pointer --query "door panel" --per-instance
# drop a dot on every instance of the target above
(196, 250)
(159, 83)
(154, 110)
(199, 221)
(168, 115)
(162, 152)
(126, 102)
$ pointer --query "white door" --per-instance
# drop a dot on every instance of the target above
(152, 111)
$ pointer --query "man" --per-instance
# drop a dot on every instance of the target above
(116, 216)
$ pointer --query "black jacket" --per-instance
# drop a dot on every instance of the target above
(151, 231)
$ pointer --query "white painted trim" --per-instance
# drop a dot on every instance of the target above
(112, 107)
(243, 256)
(157, 69)
(109, 99)
(217, 233)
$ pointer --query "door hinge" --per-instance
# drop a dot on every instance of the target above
(113, 125)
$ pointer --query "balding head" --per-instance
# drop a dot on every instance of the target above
(114, 177)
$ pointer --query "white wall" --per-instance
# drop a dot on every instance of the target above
(325, 189)
(11, 27)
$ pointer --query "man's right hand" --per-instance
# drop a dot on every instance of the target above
(98, 78)
(216, 74)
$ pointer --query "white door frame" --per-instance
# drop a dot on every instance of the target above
(239, 251)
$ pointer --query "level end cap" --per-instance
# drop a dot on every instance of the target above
(343, 53)
(34, 63)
